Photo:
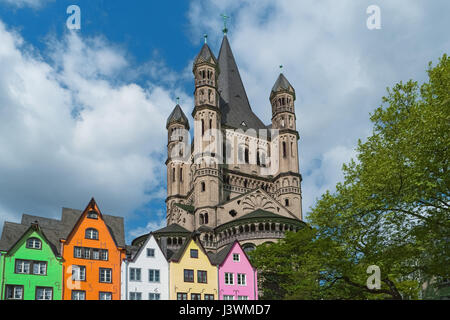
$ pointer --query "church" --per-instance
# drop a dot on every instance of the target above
(237, 178)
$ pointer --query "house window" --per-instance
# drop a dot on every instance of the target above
(196, 296)
(31, 267)
(228, 297)
(92, 215)
(236, 257)
(150, 252)
(105, 296)
(14, 292)
(242, 297)
(86, 253)
(209, 297)
(105, 275)
(241, 279)
(202, 276)
(104, 254)
(78, 295)
(153, 275)
(181, 296)
(154, 296)
(188, 275)
(23, 266)
(96, 254)
(229, 278)
(43, 293)
(194, 253)
(91, 234)
(135, 295)
(135, 274)
(78, 273)
(77, 252)
(34, 243)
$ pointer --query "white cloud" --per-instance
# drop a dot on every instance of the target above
(69, 130)
(339, 68)
(26, 3)
(151, 226)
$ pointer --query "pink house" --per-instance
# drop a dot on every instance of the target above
(237, 276)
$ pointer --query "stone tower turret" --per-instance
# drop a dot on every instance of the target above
(177, 160)
(206, 167)
(288, 178)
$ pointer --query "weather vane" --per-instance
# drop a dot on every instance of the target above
(225, 17)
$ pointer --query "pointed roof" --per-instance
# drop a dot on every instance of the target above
(234, 104)
(282, 84)
(177, 116)
(205, 55)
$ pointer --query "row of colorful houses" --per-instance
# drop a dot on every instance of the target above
(83, 256)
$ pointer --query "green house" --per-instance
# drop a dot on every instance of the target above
(31, 264)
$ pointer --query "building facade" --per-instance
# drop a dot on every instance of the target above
(31, 264)
(145, 274)
(238, 279)
(236, 178)
(193, 276)
(93, 254)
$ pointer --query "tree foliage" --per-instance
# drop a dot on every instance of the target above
(391, 210)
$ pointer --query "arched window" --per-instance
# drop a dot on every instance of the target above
(91, 233)
(203, 187)
(286, 202)
(292, 149)
(258, 158)
(247, 247)
(34, 243)
(241, 154)
(173, 174)
(181, 174)
(247, 155)
(203, 127)
(202, 218)
(206, 218)
(284, 149)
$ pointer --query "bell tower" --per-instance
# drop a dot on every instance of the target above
(206, 167)
(287, 178)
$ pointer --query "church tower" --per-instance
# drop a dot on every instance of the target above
(206, 168)
(288, 178)
(177, 159)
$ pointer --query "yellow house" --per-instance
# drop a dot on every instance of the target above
(192, 275)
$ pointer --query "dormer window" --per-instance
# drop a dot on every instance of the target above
(34, 243)
(92, 214)
(91, 233)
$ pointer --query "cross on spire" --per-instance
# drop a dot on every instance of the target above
(178, 100)
(225, 18)
(206, 37)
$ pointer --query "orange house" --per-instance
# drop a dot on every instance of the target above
(93, 252)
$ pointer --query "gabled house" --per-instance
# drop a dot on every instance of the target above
(237, 277)
(145, 273)
(93, 250)
(31, 262)
(192, 274)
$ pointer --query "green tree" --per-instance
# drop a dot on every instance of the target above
(391, 210)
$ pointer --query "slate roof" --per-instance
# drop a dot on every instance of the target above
(185, 207)
(54, 230)
(205, 55)
(234, 104)
(220, 256)
(172, 228)
(177, 116)
(282, 84)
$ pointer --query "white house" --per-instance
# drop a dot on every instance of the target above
(145, 273)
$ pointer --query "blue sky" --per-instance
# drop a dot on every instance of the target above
(82, 113)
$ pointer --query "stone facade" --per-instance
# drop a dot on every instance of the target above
(237, 178)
